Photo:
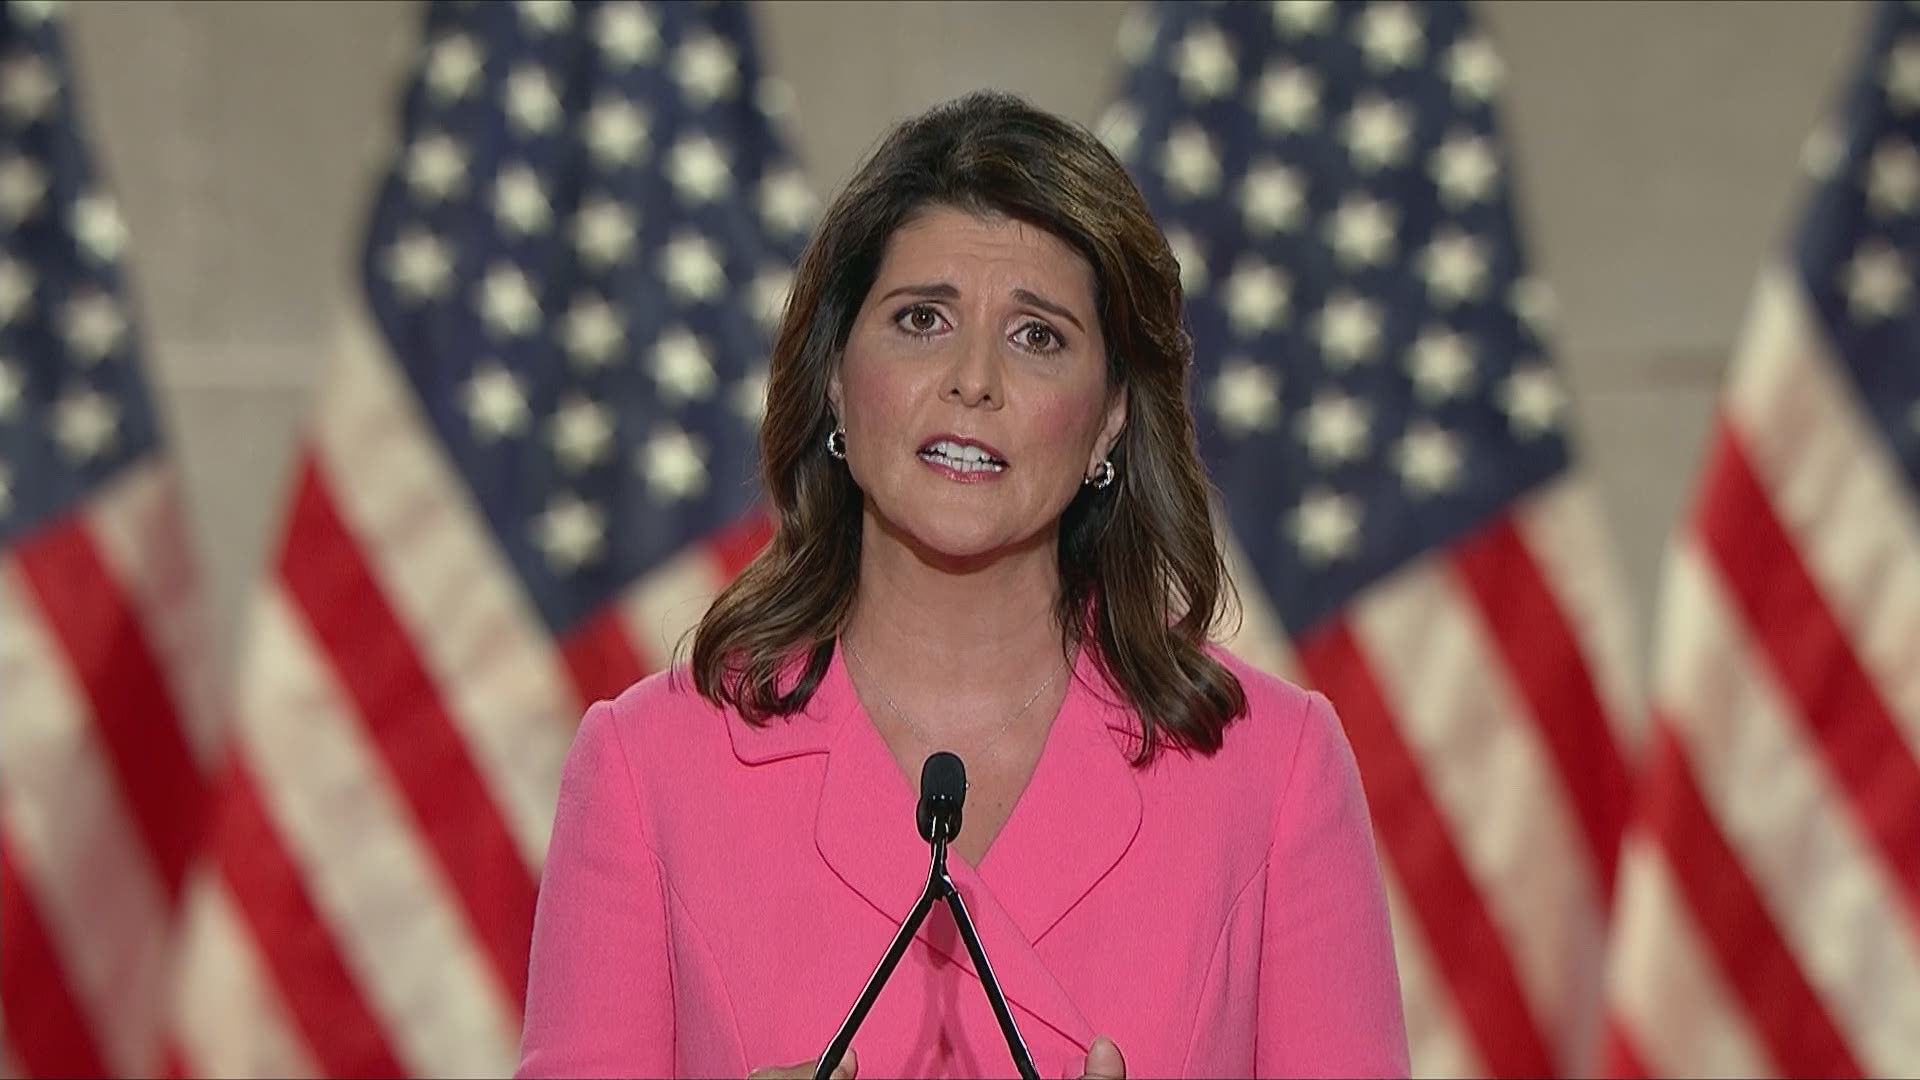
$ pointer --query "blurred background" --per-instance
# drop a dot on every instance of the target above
(1657, 148)
(1641, 753)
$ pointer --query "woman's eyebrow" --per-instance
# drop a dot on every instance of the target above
(932, 290)
(1048, 306)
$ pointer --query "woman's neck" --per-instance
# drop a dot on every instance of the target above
(954, 639)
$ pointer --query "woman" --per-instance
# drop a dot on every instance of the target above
(992, 538)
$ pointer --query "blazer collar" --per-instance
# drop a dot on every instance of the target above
(810, 731)
(1077, 817)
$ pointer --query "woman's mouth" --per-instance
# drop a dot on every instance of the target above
(962, 460)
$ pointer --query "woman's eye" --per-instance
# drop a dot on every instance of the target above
(1039, 337)
(920, 319)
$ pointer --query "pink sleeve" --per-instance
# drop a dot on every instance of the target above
(1329, 987)
(599, 998)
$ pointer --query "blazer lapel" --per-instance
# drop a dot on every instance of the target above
(1077, 817)
(864, 824)
(865, 828)
(1024, 976)
(809, 732)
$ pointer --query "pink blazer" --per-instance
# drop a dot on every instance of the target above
(716, 895)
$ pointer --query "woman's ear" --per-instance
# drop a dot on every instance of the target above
(834, 394)
(1116, 422)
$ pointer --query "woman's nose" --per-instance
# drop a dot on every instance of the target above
(975, 378)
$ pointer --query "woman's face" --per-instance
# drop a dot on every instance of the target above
(974, 389)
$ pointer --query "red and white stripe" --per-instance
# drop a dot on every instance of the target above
(402, 723)
(142, 535)
(226, 985)
(1489, 695)
(1568, 535)
(1664, 984)
(452, 597)
(101, 785)
(1437, 1036)
(1494, 791)
(1780, 819)
(396, 918)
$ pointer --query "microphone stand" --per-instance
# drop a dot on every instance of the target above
(939, 886)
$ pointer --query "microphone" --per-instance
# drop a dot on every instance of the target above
(943, 792)
(943, 795)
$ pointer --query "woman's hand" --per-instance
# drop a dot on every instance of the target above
(1104, 1061)
(846, 1070)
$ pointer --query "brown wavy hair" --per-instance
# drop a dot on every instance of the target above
(1143, 577)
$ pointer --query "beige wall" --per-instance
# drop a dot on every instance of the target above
(1657, 144)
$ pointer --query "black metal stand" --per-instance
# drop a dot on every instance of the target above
(940, 886)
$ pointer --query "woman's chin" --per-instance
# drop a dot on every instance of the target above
(956, 548)
(959, 542)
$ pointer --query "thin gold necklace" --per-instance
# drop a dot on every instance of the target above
(992, 741)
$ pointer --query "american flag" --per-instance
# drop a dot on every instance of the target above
(530, 470)
(1413, 532)
(102, 685)
(1769, 915)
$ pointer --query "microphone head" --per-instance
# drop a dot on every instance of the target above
(943, 793)
(944, 774)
